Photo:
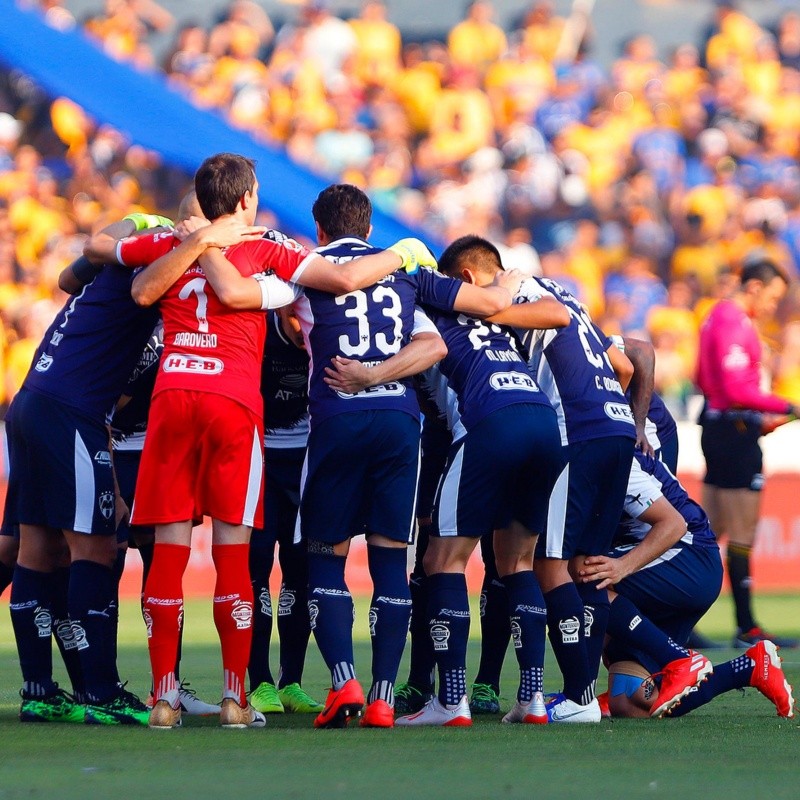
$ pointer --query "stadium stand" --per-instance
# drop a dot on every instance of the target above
(644, 186)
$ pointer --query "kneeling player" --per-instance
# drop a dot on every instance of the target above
(663, 585)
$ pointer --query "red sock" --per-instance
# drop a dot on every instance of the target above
(162, 608)
(233, 614)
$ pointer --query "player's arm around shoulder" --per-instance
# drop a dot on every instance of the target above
(424, 350)
(534, 313)
(197, 235)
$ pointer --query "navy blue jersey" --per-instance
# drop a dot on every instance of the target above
(659, 417)
(650, 479)
(92, 346)
(284, 387)
(130, 421)
(573, 369)
(368, 325)
(483, 371)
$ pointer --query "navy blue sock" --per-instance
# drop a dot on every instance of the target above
(389, 616)
(31, 616)
(528, 625)
(330, 610)
(423, 663)
(629, 628)
(448, 615)
(734, 674)
(146, 554)
(565, 629)
(596, 608)
(117, 570)
(261, 559)
(293, 628)
(6, 573)
(62, 630)
(495, 624)
(92, 611)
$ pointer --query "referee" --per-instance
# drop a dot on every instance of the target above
(733, 419)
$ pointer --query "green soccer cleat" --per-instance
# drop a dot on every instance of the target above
(124, 709)
(264, 698)
(484, 699)
(58, 707)
(298, 701)
(408, 699)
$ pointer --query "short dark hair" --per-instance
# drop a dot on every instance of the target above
(762, 270)
(343, 210)
(471, 252)
(222, 180)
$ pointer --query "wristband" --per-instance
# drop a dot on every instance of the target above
(144, 221)
(262, 284)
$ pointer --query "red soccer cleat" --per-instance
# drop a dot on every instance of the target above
(678, 678)
(769, 679)
(378, 714)
(341, 706)
(602, 701)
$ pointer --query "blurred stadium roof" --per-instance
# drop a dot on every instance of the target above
(670, 22)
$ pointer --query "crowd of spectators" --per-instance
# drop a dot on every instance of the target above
(644, 187)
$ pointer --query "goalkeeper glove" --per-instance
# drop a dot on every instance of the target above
(414, 254)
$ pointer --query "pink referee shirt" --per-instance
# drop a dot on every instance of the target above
(729, 366)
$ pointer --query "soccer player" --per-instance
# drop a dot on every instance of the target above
(665, 566)
(363, 447)
(284, 387)
(61, 488)
(503, 428)
(585, 377)
(729, 375)
(209, 379)
(666, 572)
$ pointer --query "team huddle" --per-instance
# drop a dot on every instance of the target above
(301, 398)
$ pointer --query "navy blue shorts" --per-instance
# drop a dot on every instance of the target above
(60, 473)
(674, 593)
(360, 477)
(436, 442)
(586, 504)
(126, 465)
(282, 472)
(502, 470)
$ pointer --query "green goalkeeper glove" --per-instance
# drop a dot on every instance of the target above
(414, 254)
(144, 221)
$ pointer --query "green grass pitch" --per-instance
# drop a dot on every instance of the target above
(735, 747)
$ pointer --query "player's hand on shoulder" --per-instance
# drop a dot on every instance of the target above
(510, 280)
(347, 375)
(188, 226)
(229, 231)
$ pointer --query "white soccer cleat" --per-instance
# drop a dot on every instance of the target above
(192, 705)
(532, 713)
(435, 713)
(569, 711)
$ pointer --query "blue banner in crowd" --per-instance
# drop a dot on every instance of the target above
(150, 114)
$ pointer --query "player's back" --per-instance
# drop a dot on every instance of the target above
(572, 367)
(632, 530)
(92, 346)
(483, 371)
(368, 325)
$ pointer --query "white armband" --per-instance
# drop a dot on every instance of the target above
(276, 292)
